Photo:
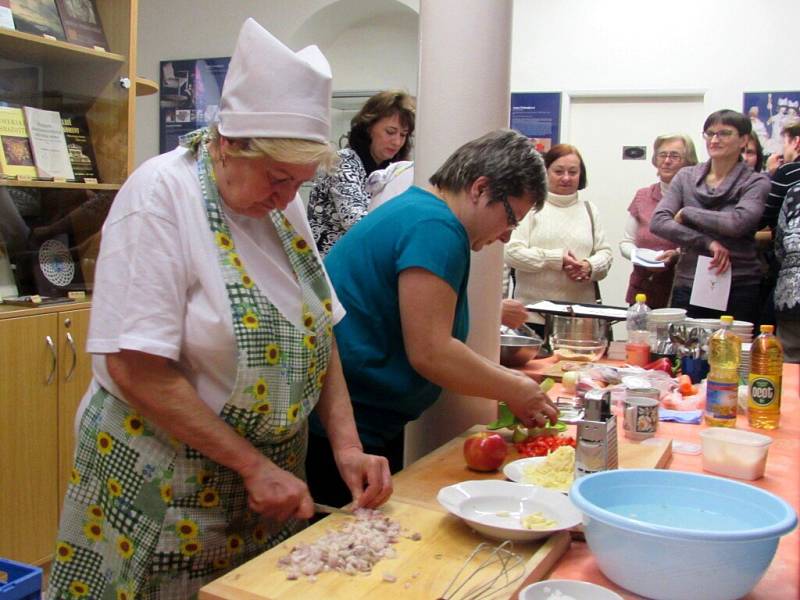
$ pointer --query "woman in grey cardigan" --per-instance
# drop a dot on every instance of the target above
(713, 209)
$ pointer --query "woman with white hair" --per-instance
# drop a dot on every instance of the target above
(671, 153)
(211, 332)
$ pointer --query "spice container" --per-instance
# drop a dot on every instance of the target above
(735, 453)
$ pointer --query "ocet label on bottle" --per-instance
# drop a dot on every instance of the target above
(764, 390)
(721, 399)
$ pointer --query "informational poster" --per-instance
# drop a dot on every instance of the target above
(769, 112)
(537, 115)
(189, 96)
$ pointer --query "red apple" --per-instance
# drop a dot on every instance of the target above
(485, 451)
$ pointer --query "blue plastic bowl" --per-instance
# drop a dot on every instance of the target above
(672, 535)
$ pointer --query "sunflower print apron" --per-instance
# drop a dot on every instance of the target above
(146, 516)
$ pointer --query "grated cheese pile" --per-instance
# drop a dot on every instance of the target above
(556, 472)
(537, 521)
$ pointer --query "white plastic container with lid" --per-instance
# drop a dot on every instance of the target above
(735, 453)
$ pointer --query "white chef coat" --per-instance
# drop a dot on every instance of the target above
(158, 286)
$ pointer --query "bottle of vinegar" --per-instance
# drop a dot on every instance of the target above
(722, 386)
(764, 382)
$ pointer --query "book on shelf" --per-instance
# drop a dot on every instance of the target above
(79, 146)
(39, 17)
(16, 158)
(48, 144)
(81, 23)
(6, 16)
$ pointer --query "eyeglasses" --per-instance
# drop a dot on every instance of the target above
(722, 134)
(670, 155)
(510, 216)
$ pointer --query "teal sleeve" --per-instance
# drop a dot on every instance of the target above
(438, 246)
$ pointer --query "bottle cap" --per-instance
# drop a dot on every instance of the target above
(726, 319)
(641, 298)
(767, 328)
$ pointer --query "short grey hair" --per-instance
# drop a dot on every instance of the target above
(285, 150)
(507, 158)
(690, 155)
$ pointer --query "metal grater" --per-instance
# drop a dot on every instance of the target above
(596, 448)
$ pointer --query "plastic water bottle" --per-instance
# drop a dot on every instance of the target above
(637, 349)
(764, 383)
(722, 387)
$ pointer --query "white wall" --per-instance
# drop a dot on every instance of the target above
(371, 44)
(723, 47)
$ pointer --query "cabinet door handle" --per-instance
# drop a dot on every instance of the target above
(54, 356)
(71, 343)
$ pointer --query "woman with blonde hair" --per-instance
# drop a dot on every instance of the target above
(211, 335)
(671, 153)
(380, 134)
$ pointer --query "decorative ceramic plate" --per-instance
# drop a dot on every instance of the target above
(56, 263)
(497, 509)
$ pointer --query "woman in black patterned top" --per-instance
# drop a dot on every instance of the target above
(380, 134)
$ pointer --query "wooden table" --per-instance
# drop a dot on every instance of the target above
(415, 499)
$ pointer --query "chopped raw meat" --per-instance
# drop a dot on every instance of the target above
(353, 548)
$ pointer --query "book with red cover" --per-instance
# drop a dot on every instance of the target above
(39, 17)
(82, 24)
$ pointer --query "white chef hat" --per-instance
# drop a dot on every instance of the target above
(272, 92)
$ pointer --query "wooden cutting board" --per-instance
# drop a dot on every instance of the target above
(423, 568)
(420, 482)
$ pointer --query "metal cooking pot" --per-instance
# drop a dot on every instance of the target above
(583, 329)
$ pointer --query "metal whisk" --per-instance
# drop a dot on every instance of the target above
(481, 577)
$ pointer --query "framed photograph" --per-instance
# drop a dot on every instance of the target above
(188, 96)
(768, 112)
(537, 115)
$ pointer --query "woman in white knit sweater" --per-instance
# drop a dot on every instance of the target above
(560, 252)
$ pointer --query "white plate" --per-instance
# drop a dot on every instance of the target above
(578, 590)
(495, 508)
(515, 470)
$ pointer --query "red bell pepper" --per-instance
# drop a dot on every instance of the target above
(660, 364)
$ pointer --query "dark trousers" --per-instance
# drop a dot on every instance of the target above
(742, 304)
(322, 474)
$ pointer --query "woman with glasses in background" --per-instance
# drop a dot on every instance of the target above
(670, 154)
(402, 274)
(713, 209)
(560, 252)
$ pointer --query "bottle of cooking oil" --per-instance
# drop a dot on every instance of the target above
(722, 387)
(764, 383)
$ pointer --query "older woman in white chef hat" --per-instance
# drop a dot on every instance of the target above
(211, 332)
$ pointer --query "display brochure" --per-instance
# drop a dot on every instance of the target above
(39, 17)
(189, 93)
(81, 23)
(16, 158)
(79, 146)
(49, 146)
(6, 16)
(537, 115)
(769, 112)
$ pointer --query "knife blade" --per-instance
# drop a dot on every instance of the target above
(332, 510)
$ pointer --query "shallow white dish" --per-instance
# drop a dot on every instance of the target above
(495, 508)
(568, 588)
(515, 470)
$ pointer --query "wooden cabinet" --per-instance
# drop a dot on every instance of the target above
(45, 372)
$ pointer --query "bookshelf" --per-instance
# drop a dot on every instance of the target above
(44, 347)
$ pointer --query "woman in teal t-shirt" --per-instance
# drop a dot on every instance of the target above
(402, 274)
